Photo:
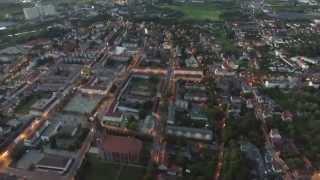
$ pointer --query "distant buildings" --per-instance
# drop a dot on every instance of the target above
(39, 11)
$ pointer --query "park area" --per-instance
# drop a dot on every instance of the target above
(198, 12)
(8, 10)
(98, 169)
(201, 12)
(304, 104)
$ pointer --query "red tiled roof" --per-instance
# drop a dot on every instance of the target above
(288, 113)
(123, 145)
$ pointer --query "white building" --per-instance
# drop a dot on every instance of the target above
(48, 10)
(124, 2)
(113, 119)
(39, 11)
(193, 133)
(31, 13)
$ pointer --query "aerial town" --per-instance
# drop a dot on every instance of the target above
(160, 90)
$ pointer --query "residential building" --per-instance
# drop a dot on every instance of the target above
(192, 133)
(287, 116)
(113, 119)
(39, 11)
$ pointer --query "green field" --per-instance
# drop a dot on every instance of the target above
(197, 12)
(10, 9)
(97, 169)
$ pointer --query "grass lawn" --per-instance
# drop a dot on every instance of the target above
(97, 169)
(10, 9)
(197, 12)
(134, 173)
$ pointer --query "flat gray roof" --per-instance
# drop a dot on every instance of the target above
(82, 104)
(54, 161)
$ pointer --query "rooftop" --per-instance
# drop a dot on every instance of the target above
(29, 158)
(124, 145)
(82, 104)
(53, 161)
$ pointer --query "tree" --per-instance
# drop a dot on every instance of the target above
(145, 109)
(234, 166)
(154, 79)
(132, 123)
(18, 151)
(147, 177)
(53, 143)
(180, 159)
